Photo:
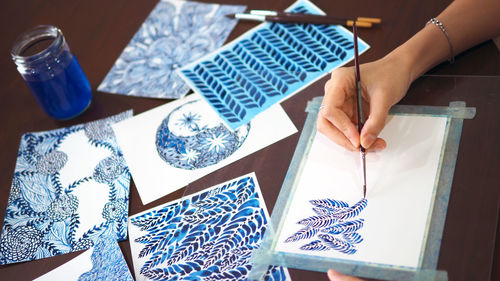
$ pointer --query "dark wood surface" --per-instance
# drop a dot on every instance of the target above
(97, 32)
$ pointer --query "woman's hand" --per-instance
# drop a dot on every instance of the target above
(383, 83)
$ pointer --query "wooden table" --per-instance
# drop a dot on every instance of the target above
(97, 32)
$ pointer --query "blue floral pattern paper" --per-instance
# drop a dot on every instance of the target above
(175, 33)
(268, 64)
(70, 187)
(106, 261)
(206, 236)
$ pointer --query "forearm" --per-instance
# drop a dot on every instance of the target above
(467, 22)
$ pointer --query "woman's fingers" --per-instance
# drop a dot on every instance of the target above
(341, 123)
(327, 129)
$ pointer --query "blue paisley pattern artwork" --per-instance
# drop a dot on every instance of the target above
(175, 33)
(45, 213)
(189, 139)
(207, 236)
(333, 228)
(268, 64)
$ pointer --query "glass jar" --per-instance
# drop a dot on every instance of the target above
(52, 72)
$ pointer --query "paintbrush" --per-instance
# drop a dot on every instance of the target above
(283, 17)
(361, 120)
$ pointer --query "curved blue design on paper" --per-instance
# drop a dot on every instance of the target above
(209, 236)
(192, 138)
(174, 34)
(42, 216)
(268, 64)
(107, 263)
(334, 225)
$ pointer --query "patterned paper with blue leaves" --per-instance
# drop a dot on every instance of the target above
(175, 33)
(107, 263)
(334, 227)
(268, 64)
(206, 236)
(70, 187)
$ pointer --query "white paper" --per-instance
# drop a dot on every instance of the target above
(71, 270)
(400, 184)
(154, 177)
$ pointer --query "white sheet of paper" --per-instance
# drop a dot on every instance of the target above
(154, 177)
(71, 270)
(400, 184)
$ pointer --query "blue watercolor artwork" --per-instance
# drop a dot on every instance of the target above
(104, 261)
(334, 227)
(189, 139)
(268, 64)
(174, 34)
(108, 263)
(70, 187)
(206, 236)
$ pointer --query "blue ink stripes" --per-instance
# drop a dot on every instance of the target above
(267, 65)
(332, 226)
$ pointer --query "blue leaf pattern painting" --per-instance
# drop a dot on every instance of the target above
(186, 140)
(333, 228)
(43, 215)
(268, 64)
(175, 33)
(207, 236)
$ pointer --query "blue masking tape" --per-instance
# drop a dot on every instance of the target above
(267, 254)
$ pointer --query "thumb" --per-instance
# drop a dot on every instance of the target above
(337, 276)
(373, 125)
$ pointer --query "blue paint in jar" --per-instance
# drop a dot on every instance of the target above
(52, 72)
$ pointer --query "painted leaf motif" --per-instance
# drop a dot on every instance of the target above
(337, 244)
(344, 227)
(304, 233)
(352, 211)
(316, 245)
(319, 221)
(329, 204)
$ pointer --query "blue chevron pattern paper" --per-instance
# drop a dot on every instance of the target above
(207, 236)
(70, 188)
(268, 64)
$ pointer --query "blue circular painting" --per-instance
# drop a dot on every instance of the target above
(192, 136)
